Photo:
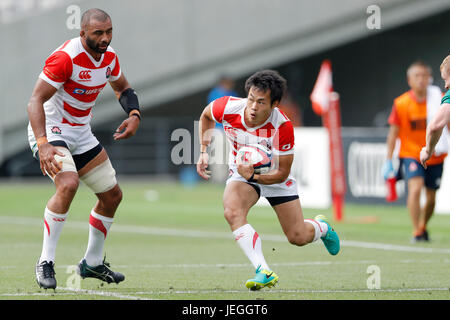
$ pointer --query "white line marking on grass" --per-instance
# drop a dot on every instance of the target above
(246, 265)
(275, 291)
(102, 293)
(219, 235)
(31, 294)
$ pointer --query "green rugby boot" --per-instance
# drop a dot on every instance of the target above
(101, 272)
(263, 278)
(331, 239)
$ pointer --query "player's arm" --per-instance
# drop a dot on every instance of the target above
(391, 140)
(206, 125)
(434, 132)
(129, 101)
(36, 114)
(277, 175)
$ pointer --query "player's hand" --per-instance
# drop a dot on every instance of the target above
(424, 156)
(245, 170)
(127, 128)
(202, 165)
(388, 169)
(47, 160)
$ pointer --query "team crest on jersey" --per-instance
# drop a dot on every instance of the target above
(84, 75)
(56, 130)
(266, 144)
(108, 72)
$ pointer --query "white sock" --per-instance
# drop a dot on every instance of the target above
(53, 225)
(98, 229)
(320, 228)
(250, 242)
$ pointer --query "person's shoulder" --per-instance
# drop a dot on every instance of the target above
(279, 118)
(446, 97)
(69, 47)
(403, 100)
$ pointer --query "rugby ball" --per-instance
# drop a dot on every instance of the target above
(257, 155)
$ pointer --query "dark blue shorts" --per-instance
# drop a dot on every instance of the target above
(410, 168)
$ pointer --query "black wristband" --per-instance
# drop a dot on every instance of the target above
(136, 115)
(252, 178)
(129, 100)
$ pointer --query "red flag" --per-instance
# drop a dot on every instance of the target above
(320, 96)
(325, 103)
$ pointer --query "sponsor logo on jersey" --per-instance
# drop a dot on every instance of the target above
(108, 72)
(56, 130)
(89, 91)
(79, 91)
(84, 75)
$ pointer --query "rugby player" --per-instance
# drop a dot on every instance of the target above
(60, 137)
(256, 119)
(441, 119)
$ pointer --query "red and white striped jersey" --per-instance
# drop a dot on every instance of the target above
(79, 80)
(276, 133)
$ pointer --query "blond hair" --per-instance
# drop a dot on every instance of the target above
(445, 63)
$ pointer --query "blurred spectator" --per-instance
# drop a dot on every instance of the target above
(225, 87)
(408, 122)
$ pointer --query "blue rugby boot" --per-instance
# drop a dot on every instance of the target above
(263, 278)
(331, 239)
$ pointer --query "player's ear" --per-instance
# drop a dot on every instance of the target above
(82, 33)
(275, 104)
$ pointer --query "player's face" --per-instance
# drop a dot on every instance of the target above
(98, 35)
(446, 76)
(418, 78)
(259, 106)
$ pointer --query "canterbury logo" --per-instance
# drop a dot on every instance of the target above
(59, 219)
(84, 75)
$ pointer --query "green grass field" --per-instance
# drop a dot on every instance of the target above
(172, 242)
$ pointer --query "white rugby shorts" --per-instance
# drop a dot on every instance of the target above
(285, 189)
(78, 139)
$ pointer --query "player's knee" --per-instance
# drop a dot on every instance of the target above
(297, 238)
(232, 215)
(117, 196)
(68, 186)
(114, 198)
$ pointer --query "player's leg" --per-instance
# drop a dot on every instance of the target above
(427, 212)
(99, 175)
(66, 184)
(414, 174)
(238, 198)
(433, 175)
(300, 231)
(415, 185)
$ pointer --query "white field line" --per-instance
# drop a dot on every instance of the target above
(136, 295)
(218, 235)
(74, 292)
(275, 291)
(246, 265)
(101, 293)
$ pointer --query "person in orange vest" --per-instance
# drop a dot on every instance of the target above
(408, 122)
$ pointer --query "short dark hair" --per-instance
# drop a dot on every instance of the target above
(94, 13)
(268, 80)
